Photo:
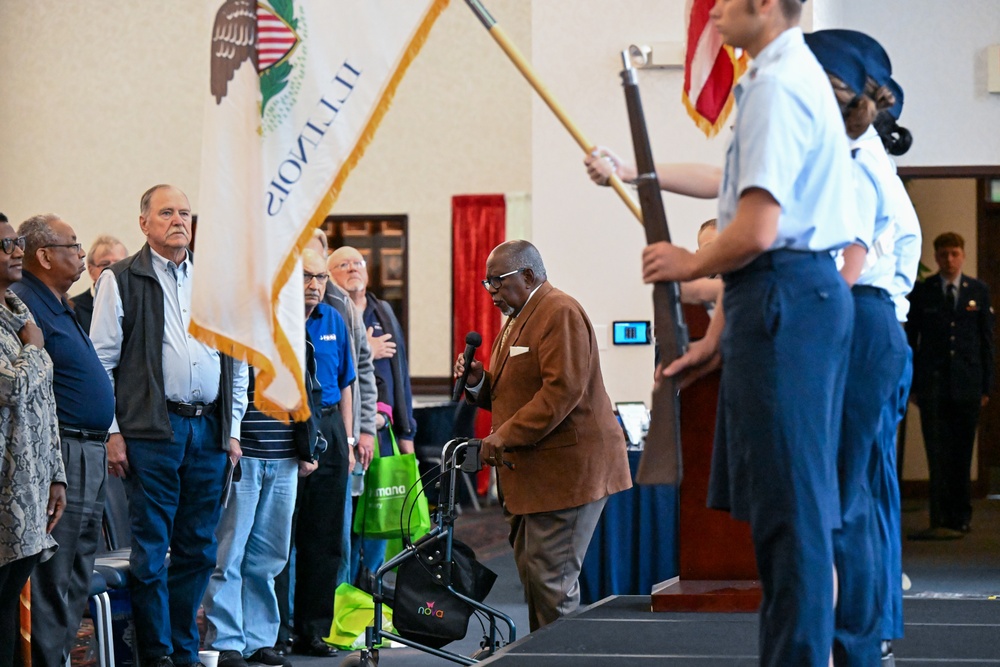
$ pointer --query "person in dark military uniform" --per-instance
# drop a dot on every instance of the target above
(951, 333)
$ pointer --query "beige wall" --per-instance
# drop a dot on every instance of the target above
(939, 56)
(99, 101)
(943, 205)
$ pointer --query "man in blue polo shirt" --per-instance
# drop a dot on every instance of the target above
(85, 402)
(320, 520)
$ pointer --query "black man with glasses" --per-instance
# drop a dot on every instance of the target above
(53, 261)
(552, 421)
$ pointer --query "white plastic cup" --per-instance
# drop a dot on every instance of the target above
(209, 658)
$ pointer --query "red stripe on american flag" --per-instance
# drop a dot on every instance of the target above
(712, 99)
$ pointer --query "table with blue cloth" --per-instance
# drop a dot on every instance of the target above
(635, 543)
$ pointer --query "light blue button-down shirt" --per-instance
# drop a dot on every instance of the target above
(877, 228)
(789, 140)
(908, 237)
(190, 368)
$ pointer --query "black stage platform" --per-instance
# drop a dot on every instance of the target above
(939, 631)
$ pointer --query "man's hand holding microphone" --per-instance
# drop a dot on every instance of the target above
(469, 373)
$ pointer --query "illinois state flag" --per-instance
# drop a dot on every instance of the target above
(711, 69)
(298, 88)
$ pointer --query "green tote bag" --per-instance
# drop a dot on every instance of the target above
(385, 509)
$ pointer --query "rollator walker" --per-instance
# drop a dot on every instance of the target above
(436, 555)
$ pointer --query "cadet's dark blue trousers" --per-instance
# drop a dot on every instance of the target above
(885, 486)
(789, 318)
(878, 355)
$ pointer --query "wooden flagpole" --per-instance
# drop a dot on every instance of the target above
(529, 73)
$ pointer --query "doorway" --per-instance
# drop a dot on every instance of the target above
(964, 200)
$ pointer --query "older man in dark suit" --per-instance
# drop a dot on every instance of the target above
(951, 333)
(552, 422)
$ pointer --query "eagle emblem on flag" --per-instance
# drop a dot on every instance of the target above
(266, 34)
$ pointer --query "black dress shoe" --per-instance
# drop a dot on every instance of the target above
(162, 661)
(231, 659)
(315, 647)
(268, 656)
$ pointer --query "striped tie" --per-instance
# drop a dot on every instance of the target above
(506, 330)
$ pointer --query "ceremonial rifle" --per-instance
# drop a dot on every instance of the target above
(661, 462)
(500, 37)
(661, 457)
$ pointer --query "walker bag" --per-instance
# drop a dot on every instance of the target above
(424, 609)
(393, 497)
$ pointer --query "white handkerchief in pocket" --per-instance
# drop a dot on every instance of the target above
(516, 350)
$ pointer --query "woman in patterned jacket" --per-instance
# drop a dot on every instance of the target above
(32, 478)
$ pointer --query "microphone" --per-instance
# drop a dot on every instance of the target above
(472, 341)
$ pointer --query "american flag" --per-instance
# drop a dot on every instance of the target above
(711, 69)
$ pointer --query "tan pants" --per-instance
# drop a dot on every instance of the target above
(549, 549)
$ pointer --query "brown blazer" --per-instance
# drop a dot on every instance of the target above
(551, 410)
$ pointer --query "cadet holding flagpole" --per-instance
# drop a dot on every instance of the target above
(784, 325)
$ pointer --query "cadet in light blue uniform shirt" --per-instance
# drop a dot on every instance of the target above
(786, 202)
(878, 355)
(885, 483)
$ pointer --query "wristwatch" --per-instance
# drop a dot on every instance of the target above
(351, 441)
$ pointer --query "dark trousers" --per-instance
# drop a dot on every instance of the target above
(13, 576)
(318, 536)
(878, 356)
(949, 429)
(885, 485)
(789, 318)
(59, 586)
(175, 502)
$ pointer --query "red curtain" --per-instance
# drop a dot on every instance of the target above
(478, 224)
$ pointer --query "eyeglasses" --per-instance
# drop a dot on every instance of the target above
(319, 277)
(352, 264)
(497, 281)
(8, 244)
(77, 247)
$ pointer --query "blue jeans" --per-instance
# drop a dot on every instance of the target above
(254, 533)
(174, 502)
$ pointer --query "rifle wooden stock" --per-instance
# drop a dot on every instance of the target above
(523, 66)
(661, 458)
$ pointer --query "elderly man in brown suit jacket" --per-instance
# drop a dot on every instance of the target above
(558, 448)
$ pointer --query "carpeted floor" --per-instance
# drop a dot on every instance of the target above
(965, 572)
